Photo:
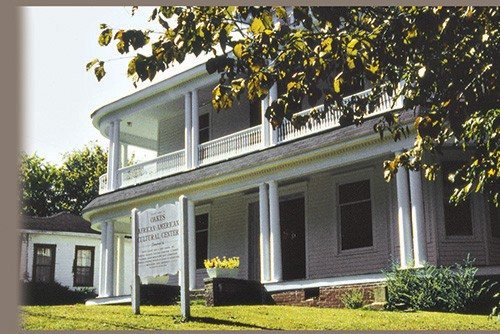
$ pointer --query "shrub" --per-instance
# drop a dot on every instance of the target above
(39, 293)
(352, 299)
(495, 312)
(452, 289)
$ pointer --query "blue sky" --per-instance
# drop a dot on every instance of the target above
(58, 95)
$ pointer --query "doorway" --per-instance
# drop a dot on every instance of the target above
(293, 249)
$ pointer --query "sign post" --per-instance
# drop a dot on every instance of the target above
(184, 270)
(160, 247)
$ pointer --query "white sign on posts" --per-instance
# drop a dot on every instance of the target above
(158, 233)
(160, 247)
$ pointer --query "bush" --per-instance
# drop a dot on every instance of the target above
(452, 289)
(353, 299)
(39, 293)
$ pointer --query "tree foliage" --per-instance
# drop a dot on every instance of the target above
(443, 61)
(47, 189)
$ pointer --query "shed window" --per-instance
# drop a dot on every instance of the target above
(44, 260)
(83, 266)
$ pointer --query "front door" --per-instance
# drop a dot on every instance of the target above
(293, 250)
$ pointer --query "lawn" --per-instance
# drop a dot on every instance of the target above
(80, 317)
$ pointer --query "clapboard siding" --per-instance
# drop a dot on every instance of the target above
(226, 122)
(171, 134)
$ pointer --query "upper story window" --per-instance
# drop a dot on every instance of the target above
(204, 128)
(457, 218)
(83, 266)
(255, 112)
(355, 210)
(201, 222)
(44, 262)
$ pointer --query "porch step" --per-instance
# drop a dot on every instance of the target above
(127, 299)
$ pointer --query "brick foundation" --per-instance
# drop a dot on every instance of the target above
(328, 296)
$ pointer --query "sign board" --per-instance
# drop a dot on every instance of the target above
(160, 246)
(157, 234)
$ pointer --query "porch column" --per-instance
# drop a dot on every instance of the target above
(114, 153)
(417, 217)
(120, 265)
(110, 259)
(102, 260)
(187, 131)
(124, 161)
(275, 233)
(195, 133)
(265, 125)
(273, 95)
(264, 233)
(192, 245)
(110, 171)
(404, 218)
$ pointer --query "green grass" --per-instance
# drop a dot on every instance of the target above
(80, 317)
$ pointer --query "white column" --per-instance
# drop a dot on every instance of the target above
(275, 233)
(195, 133)
(102, 260)
(111, 150)
(417, 217)
(116, 154)
(120, 265)
(273, 95)
(266, 132)
(404, 218)
(192, 245)
(265, 275)
(110, 259)
(187, 130)
(124, 161)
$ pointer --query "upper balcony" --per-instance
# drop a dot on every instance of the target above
(175, 120)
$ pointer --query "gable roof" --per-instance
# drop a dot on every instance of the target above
(61, 222)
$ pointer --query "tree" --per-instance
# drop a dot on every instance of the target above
(39, 184)
(79, 177)
(47, 189)
(444, 62)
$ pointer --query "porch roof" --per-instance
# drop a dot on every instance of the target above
(267, 157)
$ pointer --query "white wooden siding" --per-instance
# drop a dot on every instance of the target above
(171, 134)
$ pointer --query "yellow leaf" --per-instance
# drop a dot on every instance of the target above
(350, 63)
(337, 83)
(351, 47)
(281, 12)
(257, 26)
(238, 49)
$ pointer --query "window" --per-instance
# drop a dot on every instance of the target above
(44, 260)
(83, 266)
(204, 128)
(255, 113)
(457, 219)
(201, 239)
(355, 215)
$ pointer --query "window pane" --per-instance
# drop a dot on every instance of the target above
(202, 222)
(201, 248)
(203, 121)
(43, 263)
(353, 192)
(356, 225)
(84, 266)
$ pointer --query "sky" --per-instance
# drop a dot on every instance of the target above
(58, 94)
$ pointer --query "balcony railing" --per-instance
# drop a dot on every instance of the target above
(230, 146)
(164, 165)
(236, 144)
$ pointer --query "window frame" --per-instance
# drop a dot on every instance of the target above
(365, 174)
(52, 265)
(202, 210)
(90, 282)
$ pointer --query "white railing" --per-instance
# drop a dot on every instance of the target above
(230, 146)
(288, 132)
(236, 144)
(153, 169)
(103, 184)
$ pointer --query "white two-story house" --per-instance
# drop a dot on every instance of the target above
(302, 208)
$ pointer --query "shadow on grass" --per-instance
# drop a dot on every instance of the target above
(214, 321)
